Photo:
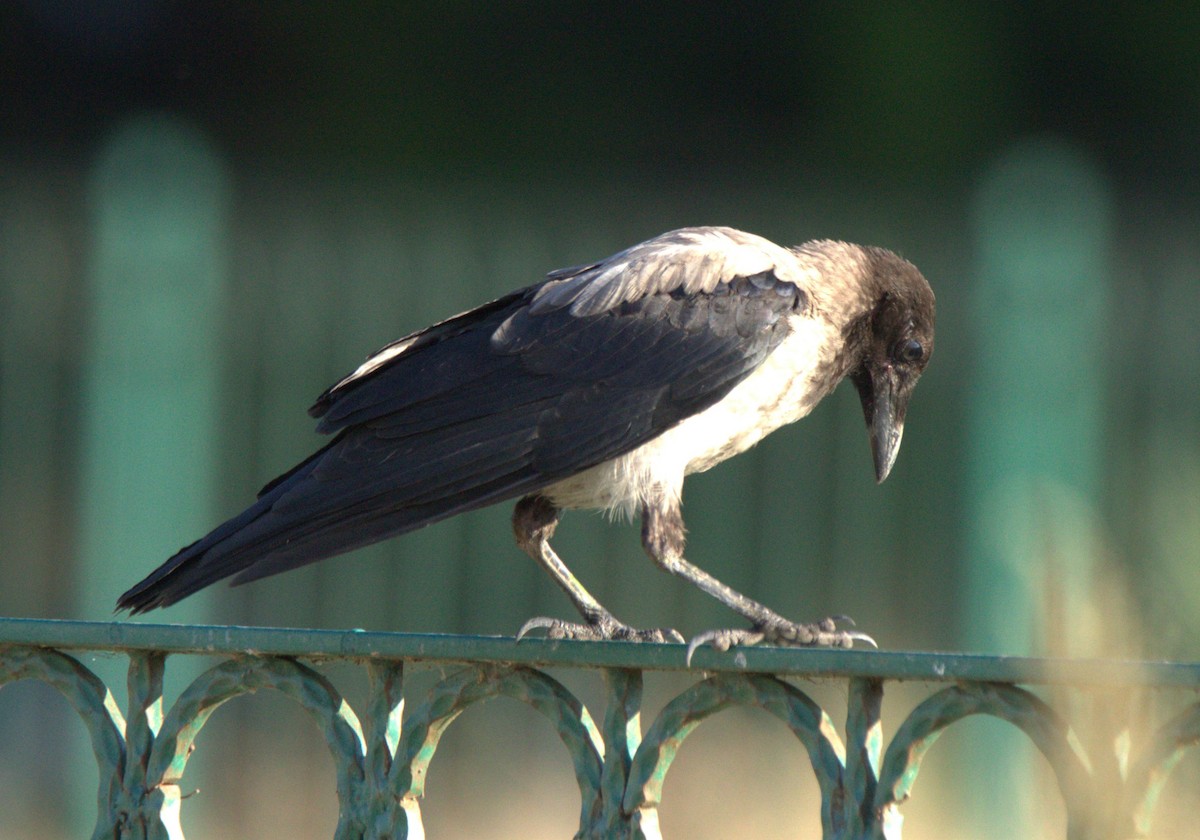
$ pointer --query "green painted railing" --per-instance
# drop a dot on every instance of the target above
(381, 758)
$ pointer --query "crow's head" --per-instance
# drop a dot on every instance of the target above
(895, 341)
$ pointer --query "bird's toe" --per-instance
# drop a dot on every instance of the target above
(555, 628)
(606, 628)
(656, 635)
(723, 640)
(823, 633)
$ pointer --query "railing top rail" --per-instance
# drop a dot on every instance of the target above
(795, 662)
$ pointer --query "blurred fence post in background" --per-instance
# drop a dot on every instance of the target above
(158, 215)
(158, 207)
(1043, 242)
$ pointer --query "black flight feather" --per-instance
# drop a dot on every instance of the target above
(491, 404)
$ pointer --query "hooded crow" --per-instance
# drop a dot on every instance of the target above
(601, 387)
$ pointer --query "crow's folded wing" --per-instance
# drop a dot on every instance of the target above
(492, 404)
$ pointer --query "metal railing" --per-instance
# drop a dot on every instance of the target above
(382, 755)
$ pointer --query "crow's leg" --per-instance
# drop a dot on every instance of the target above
(664, 540)
(534, 521)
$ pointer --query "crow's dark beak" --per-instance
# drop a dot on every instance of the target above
(884, 402)
(886, 431)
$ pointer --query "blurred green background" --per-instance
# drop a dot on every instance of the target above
(209, 212)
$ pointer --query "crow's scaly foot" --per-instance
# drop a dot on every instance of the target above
(606, 628)
(823, 633)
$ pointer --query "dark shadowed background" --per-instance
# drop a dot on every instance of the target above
(209, 212)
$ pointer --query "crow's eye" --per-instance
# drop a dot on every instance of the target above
(909, 351)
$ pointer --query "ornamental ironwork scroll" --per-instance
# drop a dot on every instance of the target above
(382, 759)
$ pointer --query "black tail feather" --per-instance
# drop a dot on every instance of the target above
(301, 518)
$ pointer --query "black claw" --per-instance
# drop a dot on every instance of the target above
(672, 635)
(861, 637)
(537, 623)
(723, 640)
